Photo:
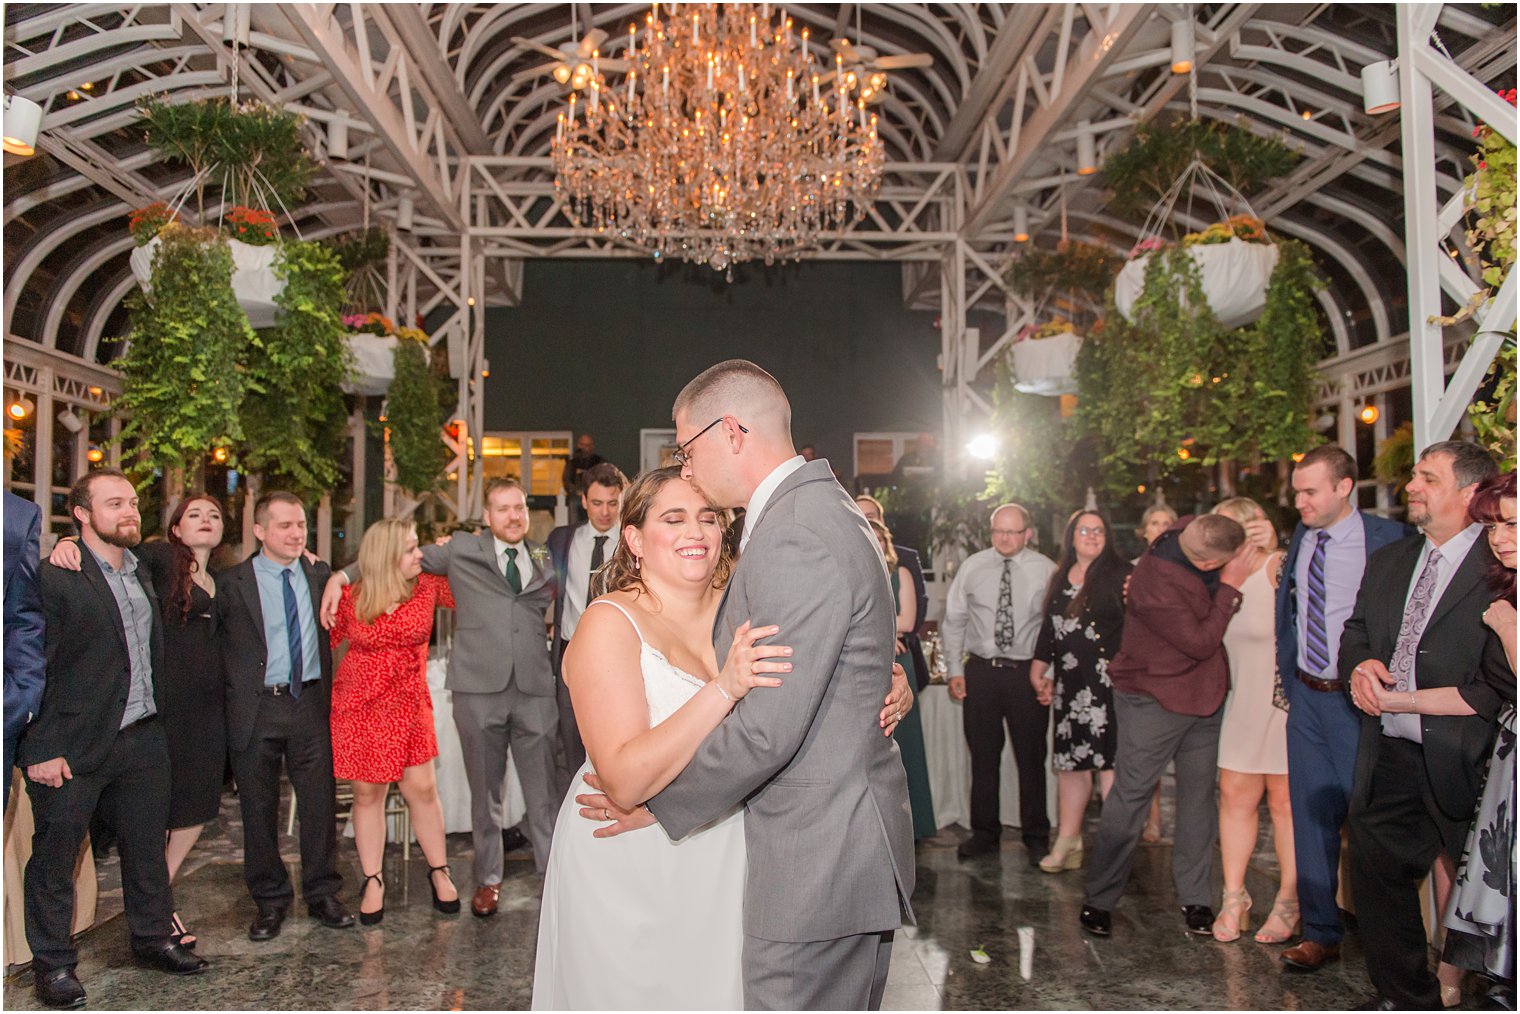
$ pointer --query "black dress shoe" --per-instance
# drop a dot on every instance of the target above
(266, 925)
(1097, 921)
(1199, 919)
(169, 957)
(1038, 849)
(976, 845)
(331, 913)
(1378, 1002)
(60, 989)
(512, 839)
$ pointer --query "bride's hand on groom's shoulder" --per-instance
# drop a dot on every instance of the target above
(598, 806)
(746, 665)
(899, 701)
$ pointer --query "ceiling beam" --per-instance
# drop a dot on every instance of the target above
(412, 29)
(1022, 34)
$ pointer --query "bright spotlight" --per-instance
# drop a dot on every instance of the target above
(984, 447)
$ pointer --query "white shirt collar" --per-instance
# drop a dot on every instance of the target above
(763, 494)
(587, 532)
(502, 547)
(1455, 549)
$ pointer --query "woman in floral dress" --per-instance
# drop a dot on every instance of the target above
(1084, 620)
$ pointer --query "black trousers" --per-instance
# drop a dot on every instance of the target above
(996, 697)
(131, 790)
(572, 750)
(1395, 836)
(294, 731)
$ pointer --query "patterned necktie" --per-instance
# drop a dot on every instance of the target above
(1413, 627)
(293, 635)
(514, 576)
(598, 555)
(1316, 642)
(1002, 629)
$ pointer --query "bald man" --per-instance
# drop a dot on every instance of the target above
(992, 619)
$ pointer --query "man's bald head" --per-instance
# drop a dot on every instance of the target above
(1209, 540)
(739, 388)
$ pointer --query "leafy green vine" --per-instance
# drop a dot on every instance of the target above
(1145, 169)
(413, 417)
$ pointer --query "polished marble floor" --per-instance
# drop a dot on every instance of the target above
(1024, 921)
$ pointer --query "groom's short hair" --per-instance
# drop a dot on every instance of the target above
(733, 387)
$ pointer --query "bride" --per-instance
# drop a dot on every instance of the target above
(639, 920)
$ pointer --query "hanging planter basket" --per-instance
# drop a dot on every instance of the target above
(254, 280)
(374, 358)
(1234, 256)
(1045, 362)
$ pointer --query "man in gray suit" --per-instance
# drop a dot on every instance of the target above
(829, 832)
(499, 675)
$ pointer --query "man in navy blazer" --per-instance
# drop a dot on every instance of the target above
(1315, 596)
(25, 663)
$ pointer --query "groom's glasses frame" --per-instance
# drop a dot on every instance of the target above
(682, 456)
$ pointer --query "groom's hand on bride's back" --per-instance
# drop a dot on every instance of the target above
(598, 806)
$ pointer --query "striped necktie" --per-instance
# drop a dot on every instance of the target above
(1316, 641)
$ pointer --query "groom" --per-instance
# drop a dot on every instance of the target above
(827, 824)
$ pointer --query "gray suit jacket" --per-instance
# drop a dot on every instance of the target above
(499, 637)
(829, 832)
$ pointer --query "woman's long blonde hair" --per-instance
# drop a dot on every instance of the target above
(620, 572)
(381, 585)
(884, 536)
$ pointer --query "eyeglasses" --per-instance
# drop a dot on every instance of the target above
(682, 456)
(1085, 531)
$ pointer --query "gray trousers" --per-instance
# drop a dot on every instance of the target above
(490, 724)
(1149, 737)
(849, 973)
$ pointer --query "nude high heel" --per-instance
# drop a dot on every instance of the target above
(1286, 914)
(1232, 915)
(1066, 854)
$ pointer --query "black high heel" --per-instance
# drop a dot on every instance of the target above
(180, 935)
(446, 907)
(371, 918)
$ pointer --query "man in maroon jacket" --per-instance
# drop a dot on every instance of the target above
(1170, 679)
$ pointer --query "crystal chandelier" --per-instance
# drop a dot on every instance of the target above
(724, 142)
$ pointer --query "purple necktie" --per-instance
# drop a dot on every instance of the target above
(1413, 627)
(1316, 642)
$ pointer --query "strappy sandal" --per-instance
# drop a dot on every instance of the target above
(1286, 914)
(371, 918)
(446, 907)
(180, 934)
(1232, 915)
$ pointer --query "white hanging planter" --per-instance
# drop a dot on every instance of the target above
(1047, 366)
(1234, 274)
(374, 358)
(254, 281)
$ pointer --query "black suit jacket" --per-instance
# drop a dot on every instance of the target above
(559, 554)
(240, 617)
(1455, 651)
(89, 670)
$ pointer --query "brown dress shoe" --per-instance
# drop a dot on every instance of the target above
(1309, 955)
(484, 902)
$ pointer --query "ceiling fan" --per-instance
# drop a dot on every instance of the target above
(864, 68)
(570, 64)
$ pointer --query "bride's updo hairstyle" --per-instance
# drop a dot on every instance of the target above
(620, 572)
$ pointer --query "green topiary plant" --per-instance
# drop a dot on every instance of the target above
(182, 381)
(1142, 172)
(414, 418)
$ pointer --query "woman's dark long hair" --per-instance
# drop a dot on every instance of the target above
(184, 559)
(1484, 508)
(1104, 575)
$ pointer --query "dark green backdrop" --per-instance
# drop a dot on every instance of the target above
(604, 346)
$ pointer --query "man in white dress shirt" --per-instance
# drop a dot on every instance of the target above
(992, 619)
(577, 551)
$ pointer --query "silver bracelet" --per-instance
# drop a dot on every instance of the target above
(720, 689)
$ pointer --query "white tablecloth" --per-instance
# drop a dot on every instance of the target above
(453, 786)
(950, 764)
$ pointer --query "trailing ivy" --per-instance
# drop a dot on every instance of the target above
(1172, 388)
(182, 378)
(1073, 266)
(1144, 170)
(414, 418)
(1033, 464)
(293, 413)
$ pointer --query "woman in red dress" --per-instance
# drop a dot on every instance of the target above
(382, 714)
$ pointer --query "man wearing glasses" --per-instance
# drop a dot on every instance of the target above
(499, 678)
(992, 619)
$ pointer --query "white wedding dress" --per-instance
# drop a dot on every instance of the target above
(638, 921)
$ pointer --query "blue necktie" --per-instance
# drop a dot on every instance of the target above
(293, 636)
(1316, 641)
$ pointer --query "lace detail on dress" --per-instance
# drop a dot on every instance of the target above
(666, 685)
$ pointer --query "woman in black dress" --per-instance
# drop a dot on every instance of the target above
(193, 715)
(1084, 619)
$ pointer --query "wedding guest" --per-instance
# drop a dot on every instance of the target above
(909, 558)
(1480, 918)
(992, 618)
(577, 465)
(1081, 630)
(25, 659)
(578, 552)
(194, 710)
(1253, 743)
(910, 732)
(1430, 685)
(1170, 678)
(808, 452)
(1158, 517)
(382, 712)
(278, 680)
(97, 741)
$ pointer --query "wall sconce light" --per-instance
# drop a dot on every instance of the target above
(1087, 149)
(1368, 414)
(70, 421)
(405, 211)
(1021, 223)
(220, 455)
(20, 408)
(1380, 87)
(337, 139)
(23, 118)
(1182, 45)
(95, 455)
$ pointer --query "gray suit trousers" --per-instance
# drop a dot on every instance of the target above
(1149, 737)
(849, 973)
(490, 724)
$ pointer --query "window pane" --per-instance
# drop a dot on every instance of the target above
(502, 457)
(549, 457)
(874, 456)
